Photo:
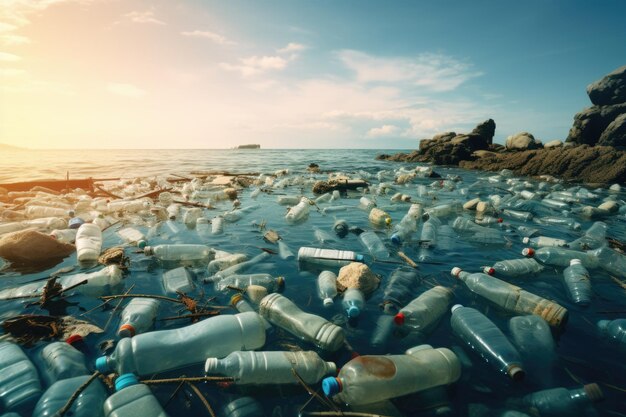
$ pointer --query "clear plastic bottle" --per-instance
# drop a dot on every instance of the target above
(371, 378)
(60, 360)
(64, 235)
(217, 225)
(577, 283)
(191, 215)
(276, 367)
(44, 211)
(465, 225)
(544, 241)
(101, 282)
(284, 252)
(374, 245)
(445, 210)
(271, 283)
(288, 200)
(399, 289)
(323, 236)
(19, 382)
(428, 238)
(383, 330)
(563, 402)
(614, 331)
(531, 334)
(518, 215)
(180, 252)
(328, 257)
(425, 311)
(341, 228)
(219, 264)
(203, 227)
(299, 212)
(88, 403)
(138, 317)
(284, 313)
(132, 399)
(178, 280)
(132, 236)
(366, 204)
(594, 237)
(561, 256)
(487, 340)
(515, 268)
(353, 302)
(327, 287)
(239, 268)
(163, 350)
(611, 261)
(88, 243)
(512, 298)
(379, 218)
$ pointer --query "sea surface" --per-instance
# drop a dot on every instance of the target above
(580, 356)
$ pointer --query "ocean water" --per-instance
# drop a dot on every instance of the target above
(581, 356)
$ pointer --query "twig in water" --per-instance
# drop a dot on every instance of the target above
(323, 400)
(116, 307)
(157, 297)
(188, 379)
(406, 259)
(174, 394)
(202, 398)
(74, 396)
(192, 316)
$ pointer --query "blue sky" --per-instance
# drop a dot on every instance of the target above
(303, 74)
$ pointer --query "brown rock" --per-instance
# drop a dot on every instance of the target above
(357, 275)
(591, 122)
(609, 90)
(29, 246)
(615, 133)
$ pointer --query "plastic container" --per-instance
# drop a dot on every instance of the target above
(511, 298)
(45, 211)
(425, 311)
(219, 264)
(88, 243)
(480, 334)
(374, 245)
(428, 238)
(132, 236)
(240, 267)
(563, 402)
(180, 252)
(399, 289)
(614, 331)
(323, 236)
(60, 360)
(192, 215)
(299, 212)
(327, 287)
(284, 252)
(544, 241)
(132, 399)
(353, 302)
(178, 280)
(444, 210)
(594, 237)
(203, 227)
(260, 368)
(379, 218)
(328, 257)
(101, 282)
(164, 350)
(561, 257)
(271, 283)
(282, 312)
(88, 403)
(370, 379)
(341, 228)
(382, 332)
(515, 268)
(138, 317)
(366, 204)
(403, 231)
(577, 283)
(19, 382)
(612, 262)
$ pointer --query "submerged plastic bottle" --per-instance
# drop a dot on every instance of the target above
(560, 256)
(341, 228)
(399, 289)
(487, 340)
(276, 367)
(374, 245)
(425, 311)
(88, 243)
(180, 252)
(284, 252)
(219, 264)
(614, 331)
(353, 302)
(271, 283)
(544, 241)
(577, 283)
(298, 212)
(594, 237)
(563, 402)
(371, 378)
(428, 238)
(19, 382)
(328, 257)
(284, 313)
(178, 280)
(512, 298)
(144, 353)
(611, 261)
(60, 360)
(132, 236)
(132, 399)
(515, 268)
(138, 317)
(88, 403)
(327, 287)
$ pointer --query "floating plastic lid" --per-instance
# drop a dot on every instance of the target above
(74, 339)
(235, 299)
(575, 262)
(359, 257)
(395, 239)
(331, 386)
(353, 311)
(141, 244)
(126, 330)
(456, 271)
(102, 364)
(328, 301)
(594, 392)
(399, 319)
(525, 240)
(125, 380)
(489, 270)
(75, 223)
(528, 252)
(281, 283)
(455, 307)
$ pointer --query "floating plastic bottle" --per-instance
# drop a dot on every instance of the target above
(180, 252)
(89, 402)
(132, 236)
(577, 283)
(341, 228)
(138, 317)
(203, 227)
(271, 283)
(327, 287)
(518, 215)
(544, 241)
(277, 367)
(374, 245)
(425, 311)
(144, 354)
(563, 402)
(379, 218)
(353, 302)
(132, 399)
(382, 332)
(64, 235)
(444, 210)
(88, 243)
(288, 200)
(512, 298)
(614, 331)
(485, 338)
(60, 360)
(239, 267)
(284, 252)
(561, 256)
(428, 238)
(322, 236)
(515, 268)
(284, 313)
(399, 289)
(19, 382)
(533, 339)
(217, 225)
(178, 280)
(192, 215)
(219, 264)
(370, 379)
(44, 211)
(366, 204)
(328, 257)
(611, 261)
(594, 237)
(298, 212)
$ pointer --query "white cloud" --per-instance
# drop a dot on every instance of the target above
(6, 27)
(127, 90)
(291, 48)
(435, 72)
(212, 36)
(11, 72)
(13, 40)
(256, 65)
(6, 57)
(144, 17)
(383, 131)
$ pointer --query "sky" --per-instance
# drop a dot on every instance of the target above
(296, 74)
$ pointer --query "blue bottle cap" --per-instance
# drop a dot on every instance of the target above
(102, 364)
(125, 380)
(75, 222)
(353, 311)
(359, 257)
(331, 386)
(142, 244)
(395, 239)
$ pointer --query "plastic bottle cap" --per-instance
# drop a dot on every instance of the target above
(281, 283)
(102, 365)
(126, 330)
(399, 319)
(575, 262)
(148, 251)
(353, 311)
(516, 373)
(594, 392)
(455, 307)
(125, 380)
(75, 223)
(528, 252)
(525, 240)
(141, 244)
(359, 257)
(489, 270)
(328, 302)
(388, 221)
(331, 386)
(500, 220)
(456, 271)
(74, 339)
(235, 299)
(210, 365)
(395, 239)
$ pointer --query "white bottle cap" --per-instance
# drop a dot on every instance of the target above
(455, 307)
(210, 365)
(328, 302)
(575, 262)
(525, 240)
(456, 271)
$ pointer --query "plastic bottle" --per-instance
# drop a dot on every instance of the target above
(531, 335)
(374, 245)
(428, 238)
(515, 268)
(353, 302)
(426, 310)
(282, 312)
(284, 252)
(88, 403)
(132, 399)
(288, 200)
(366, 204)
(328, 257)
(379, 218)
(614, 331)
(144, 354)
(101, 282)
(88, 243)
(577, 283)
(370, 379)
(518, 215)
(44, 211)
(64, 235)
(243, 407)
(60, 360)
(191, 215)
(19, 382)
(465, 225)
(203, 227)
(240, 267)
(594, 237)
(276, 367)
(611, 261)
(272, 284)
(219, 264)
(322, 236)
(49, 223)
(217, 225)
(563, 402)
(486, 339)
(180, 252)
(512, 298)
(298, 212)
(561, 256)
(327, 287)
(544, 241)
(341, 228)
(138, 317)
(399, 289)
(178, 280)
(132, 236)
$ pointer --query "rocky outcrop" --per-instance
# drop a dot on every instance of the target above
(609, 90)
(554, 144)
(615, 133)
(521, 142)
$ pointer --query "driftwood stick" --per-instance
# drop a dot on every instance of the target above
(102, 190)
(188, 379)
(192, 316)
(406, 259)
(202, 398)
(158, 297)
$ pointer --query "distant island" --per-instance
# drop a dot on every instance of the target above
(4, 147)
(249, 146)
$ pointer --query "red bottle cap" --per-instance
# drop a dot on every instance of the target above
(399, 319)
(126, 330)
(528, 252)
(73, 339)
